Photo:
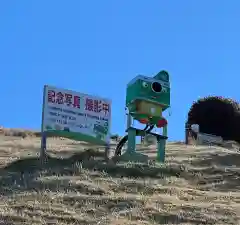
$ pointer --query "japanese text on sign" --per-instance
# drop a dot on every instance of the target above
(76, 114)
(63, 98)
(91, 105)
(96, 106)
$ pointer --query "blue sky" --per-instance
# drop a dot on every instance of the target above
(96, 47)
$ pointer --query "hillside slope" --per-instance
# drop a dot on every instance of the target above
(197, 185)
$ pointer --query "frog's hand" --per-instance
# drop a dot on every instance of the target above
(161, 123)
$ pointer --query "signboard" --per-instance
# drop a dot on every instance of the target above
(76, 115)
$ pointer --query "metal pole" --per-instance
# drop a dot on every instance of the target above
(186, 133)
(43, 133)
(129, 120)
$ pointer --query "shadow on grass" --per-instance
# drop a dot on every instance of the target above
(4, 221)
(24, 175)
(12, 220)
(162, 218)
(206, 174)
(21, 175)
(225, 160)
(218, 172)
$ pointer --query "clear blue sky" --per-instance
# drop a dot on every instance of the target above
(96, 47)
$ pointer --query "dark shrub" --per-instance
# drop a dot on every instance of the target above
(216, 115)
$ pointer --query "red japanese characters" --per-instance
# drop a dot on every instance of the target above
(91, 105)
(96, 106)
(63, 98)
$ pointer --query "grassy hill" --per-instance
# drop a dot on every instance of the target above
(196, 185)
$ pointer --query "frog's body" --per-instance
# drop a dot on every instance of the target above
(146, 99)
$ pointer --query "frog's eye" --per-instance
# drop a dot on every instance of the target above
(144, 84)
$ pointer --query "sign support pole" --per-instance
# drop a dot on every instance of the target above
(43, 133)
(43, 145)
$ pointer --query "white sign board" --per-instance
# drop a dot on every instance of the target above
(76, 115)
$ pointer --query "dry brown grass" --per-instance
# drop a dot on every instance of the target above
(196, 185)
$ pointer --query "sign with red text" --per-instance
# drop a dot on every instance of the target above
(76, 115)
